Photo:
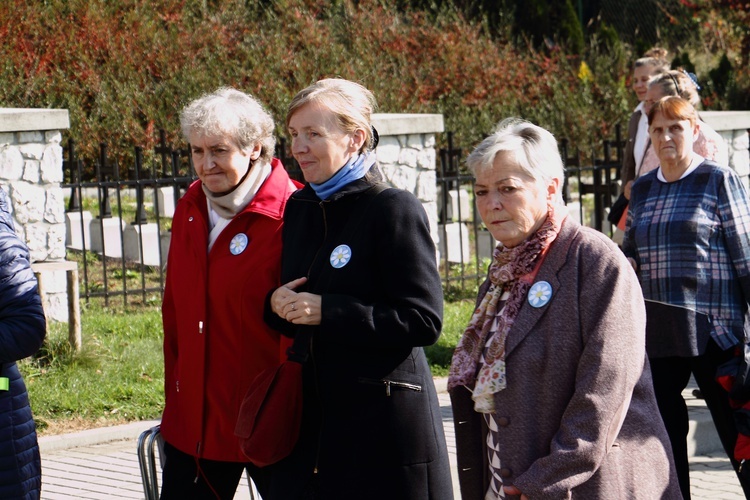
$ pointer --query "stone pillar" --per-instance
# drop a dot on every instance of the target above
(733, 126)
(407, 157)
(31, 173)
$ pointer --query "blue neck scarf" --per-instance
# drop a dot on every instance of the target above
(355, 168)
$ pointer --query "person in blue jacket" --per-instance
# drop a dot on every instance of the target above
(22, 330)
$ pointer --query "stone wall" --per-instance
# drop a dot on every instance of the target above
(733, 126)
(407, 156)
(31, 173)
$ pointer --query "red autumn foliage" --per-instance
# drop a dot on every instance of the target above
(124, 68)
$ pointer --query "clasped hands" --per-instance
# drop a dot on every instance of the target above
(300, 308)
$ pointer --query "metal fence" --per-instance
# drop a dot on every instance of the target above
(589, 191)
(120, 268)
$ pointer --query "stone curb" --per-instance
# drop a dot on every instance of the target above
(702, 437)
(132, 430)
(91, 437)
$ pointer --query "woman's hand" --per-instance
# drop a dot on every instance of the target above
(298, 308)
(512, 490)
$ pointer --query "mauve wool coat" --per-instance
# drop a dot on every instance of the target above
(576, 370)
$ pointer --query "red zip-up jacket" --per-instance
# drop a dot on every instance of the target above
(215, 340)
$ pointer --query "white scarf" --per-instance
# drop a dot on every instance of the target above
(222, 209)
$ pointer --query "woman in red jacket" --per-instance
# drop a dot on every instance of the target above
(223, 259)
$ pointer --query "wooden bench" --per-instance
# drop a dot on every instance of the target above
(74, 307)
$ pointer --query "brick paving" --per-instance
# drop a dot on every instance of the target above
(110, 470)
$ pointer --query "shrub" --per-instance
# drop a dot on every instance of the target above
(125, 68)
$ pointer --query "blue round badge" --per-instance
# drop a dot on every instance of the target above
(540, 293)
(238, 244)
(341, 256)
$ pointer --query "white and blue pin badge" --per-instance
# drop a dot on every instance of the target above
(341, 256)
(539, 294)
(238, 243)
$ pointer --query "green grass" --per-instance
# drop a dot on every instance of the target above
(118, 375)
(455, 318)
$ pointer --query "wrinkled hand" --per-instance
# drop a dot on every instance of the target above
(512, 490)
(298, 308)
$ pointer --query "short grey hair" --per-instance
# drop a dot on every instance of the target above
(535, 150)
(233, 114)
(351, 103)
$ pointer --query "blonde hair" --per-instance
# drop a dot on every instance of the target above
(234, 114)
(656, 58)
(351, 104)
(677, 83)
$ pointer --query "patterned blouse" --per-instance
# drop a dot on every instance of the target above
(495, 489)
(691, 241)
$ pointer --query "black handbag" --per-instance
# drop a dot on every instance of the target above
(618, 208)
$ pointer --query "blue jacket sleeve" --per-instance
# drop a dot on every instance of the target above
(22, 322)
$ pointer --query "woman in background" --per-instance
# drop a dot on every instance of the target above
(708, 143)
(688, 238)
(550, 388)
(224, 258)
(362, 283)
(652, 64)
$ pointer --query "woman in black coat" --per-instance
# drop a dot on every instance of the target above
(22, 330)
(361, 279)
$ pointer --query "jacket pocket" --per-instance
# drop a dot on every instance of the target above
(400, 425)
(391, 385)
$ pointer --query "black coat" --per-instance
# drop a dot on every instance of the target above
(371, 425)
(22, 330)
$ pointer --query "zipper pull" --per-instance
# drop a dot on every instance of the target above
(387, 387)
(200, 327)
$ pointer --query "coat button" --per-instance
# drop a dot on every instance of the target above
(505, 473)
(503, 421)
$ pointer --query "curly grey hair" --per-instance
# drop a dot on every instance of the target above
(234, 114)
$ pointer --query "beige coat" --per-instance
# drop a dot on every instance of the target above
(580, 413)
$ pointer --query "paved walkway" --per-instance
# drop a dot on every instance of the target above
(77, 466)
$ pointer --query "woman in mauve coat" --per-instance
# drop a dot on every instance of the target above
(362, 281)
(22, 331)
(224, 258)
(551, 391)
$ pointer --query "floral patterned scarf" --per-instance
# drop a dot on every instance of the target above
(512, 270)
